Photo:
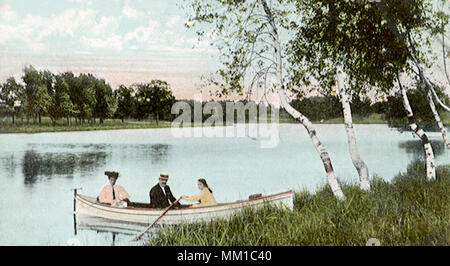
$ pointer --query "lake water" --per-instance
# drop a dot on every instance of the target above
(38, 171)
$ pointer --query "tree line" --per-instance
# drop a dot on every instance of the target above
(83, 98)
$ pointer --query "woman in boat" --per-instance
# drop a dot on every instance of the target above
(114, 194)
(205, 197)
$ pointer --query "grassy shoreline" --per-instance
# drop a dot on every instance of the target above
(406, 211)
(6, 127)
(109, 124)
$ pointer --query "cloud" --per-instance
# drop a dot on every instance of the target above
(87, 2)
(111, 43)
(143, 34)
(7, 13)
(35, 31)
(173, 21)
(106, 24)
(131, 12)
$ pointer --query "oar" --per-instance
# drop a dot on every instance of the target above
(162, 214)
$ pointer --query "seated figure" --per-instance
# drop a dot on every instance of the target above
(114, 194)
(205, 197)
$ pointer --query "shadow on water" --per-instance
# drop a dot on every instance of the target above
(157, 153)
(49, 164)
(49, 160)
(9, 165)
(415, 147)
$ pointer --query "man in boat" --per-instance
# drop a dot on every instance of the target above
(114, 194)
(160, 194)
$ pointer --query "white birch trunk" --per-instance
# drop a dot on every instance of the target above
(429, 155)
(360, 165)
(430, 92)
(324, 156)
(439, 100)
(438, 118)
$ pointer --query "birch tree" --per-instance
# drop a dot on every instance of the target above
(437, 117)
(431, 93)
(249, 37)
(360, 165)
(430, 164)
(342, 46)
(370, 40)
(414, 24)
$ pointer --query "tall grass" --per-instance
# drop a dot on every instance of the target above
(407, 211)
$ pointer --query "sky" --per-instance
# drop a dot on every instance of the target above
(122, 41)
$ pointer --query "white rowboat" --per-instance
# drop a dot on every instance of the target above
(140, 213)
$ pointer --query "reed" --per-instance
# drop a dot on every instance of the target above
(406, 211)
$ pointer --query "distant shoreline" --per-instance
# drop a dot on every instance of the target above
(6, 127)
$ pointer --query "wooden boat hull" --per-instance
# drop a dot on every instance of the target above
(88, 206)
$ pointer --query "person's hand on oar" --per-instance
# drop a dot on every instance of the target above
(157, 219)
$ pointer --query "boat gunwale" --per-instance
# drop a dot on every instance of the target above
(188, 211)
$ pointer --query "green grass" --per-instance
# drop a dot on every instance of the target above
(407, 211)
(6, 126)
(370, 119)
(61, 126)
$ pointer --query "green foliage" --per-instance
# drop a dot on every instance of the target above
(84, 97)
(36, 99)
(353, 34)
(126, 104)
(318, 108)
(60, 105)
(407, 211)
(395, 114)
(10, 93)
(105, 104)
(241, 32)
(154, 98)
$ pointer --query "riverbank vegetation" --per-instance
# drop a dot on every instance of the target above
(126, 109)
(48, 126)
(409, 210)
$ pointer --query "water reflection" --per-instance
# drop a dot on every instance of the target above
(48, 160)
(157, 153)
(36, 164)
(415, 147)
(114, 232)
(8, 164)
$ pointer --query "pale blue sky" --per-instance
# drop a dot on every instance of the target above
(119, 40)
(123, 41)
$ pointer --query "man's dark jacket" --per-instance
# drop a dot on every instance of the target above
(159, 200)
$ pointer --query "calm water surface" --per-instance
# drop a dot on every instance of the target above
(38, 171)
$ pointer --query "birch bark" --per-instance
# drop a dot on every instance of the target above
(360, 165)
(438, 118)
(429, 155)
(324, 156)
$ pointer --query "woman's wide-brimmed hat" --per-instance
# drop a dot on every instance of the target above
(112, 174)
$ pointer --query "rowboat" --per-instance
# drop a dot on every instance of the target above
(140, 213)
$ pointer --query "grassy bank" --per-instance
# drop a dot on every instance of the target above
(407, 211)
(372, 119)
(47, 126)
